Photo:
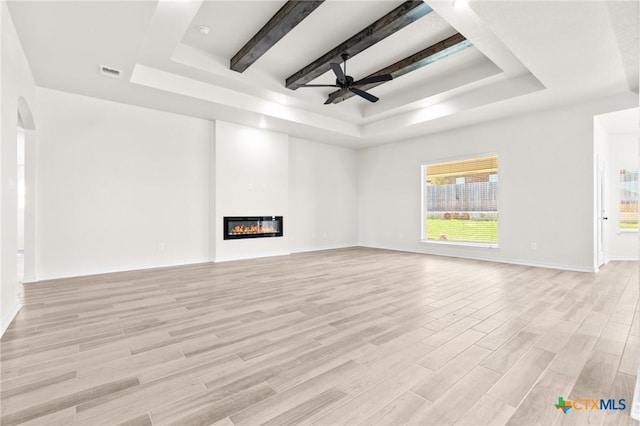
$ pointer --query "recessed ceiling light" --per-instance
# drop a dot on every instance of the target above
(459, 4)
(204, 30)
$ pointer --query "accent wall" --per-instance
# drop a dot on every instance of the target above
(252, 179)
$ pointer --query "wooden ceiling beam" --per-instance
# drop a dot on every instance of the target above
(431, 54)
(291, 14)
(398, 18)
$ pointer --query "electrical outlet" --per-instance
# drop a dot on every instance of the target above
(534, 246)
(161, 247)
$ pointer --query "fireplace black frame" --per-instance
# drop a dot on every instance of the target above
(227, 235)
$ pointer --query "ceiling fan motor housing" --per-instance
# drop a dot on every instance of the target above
(347, 83)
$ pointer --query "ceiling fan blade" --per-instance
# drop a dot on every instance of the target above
(318, 85)
(363, 94)
(338, 72)
(373, 79)
(332, 97)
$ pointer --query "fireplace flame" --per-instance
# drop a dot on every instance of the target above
(253, 229)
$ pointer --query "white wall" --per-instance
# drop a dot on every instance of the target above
(123, 187)
(252, 179)
(323, 196)
(119, 187)
(20, 173)
(546, 189)
(15, 81)
(623, 154)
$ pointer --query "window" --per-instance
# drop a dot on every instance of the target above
(460, 201)
(628, 200)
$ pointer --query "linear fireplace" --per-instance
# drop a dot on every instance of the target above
(252, 227)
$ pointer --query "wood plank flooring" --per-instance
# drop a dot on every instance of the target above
(350, 336)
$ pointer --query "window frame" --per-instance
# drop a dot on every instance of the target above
(619, 230)
(423, 212)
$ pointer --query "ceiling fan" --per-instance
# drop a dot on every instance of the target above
(344, 81)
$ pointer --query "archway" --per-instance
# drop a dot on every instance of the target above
(25, 178)
(25, 117)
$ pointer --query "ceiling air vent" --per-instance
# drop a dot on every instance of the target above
(109, 72)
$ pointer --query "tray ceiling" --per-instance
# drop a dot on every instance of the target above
(523, 56)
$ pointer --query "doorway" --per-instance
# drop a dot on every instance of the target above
(602, 214)
(616, 137)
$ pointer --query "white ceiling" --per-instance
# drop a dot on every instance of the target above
(526, 55)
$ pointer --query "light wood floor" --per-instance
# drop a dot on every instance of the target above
(350, 336)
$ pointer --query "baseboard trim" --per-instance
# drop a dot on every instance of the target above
(6, 321)
(29, 279)
(559, 266)
(623, 258)
(323, 248)
(231, 259)
(510, 261)
(48, 277)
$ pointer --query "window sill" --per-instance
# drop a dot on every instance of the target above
(627, 232)
(460, 243)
